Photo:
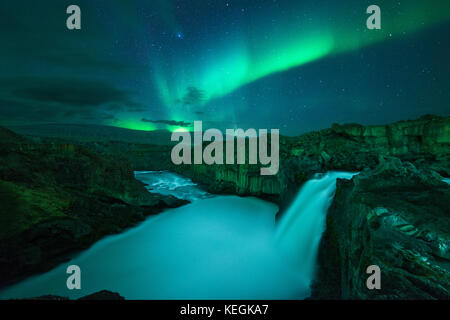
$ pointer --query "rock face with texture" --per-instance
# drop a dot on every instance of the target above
(427, 135)
(59, 198)
(396, 217)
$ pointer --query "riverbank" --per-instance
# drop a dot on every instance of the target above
(58, 199)
(217, 247)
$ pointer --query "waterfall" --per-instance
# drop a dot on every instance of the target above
(300, 229)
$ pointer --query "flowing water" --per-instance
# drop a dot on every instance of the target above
(300, 229)
(217, 247)
(168, 183)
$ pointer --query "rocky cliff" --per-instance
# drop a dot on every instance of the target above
(424, 142)
(351, 147)
(59, 198)
(397, 217)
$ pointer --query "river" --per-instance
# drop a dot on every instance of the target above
(216, 247)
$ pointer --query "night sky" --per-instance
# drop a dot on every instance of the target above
(291, 65)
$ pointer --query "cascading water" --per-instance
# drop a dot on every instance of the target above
(300, 229)
(169, 183)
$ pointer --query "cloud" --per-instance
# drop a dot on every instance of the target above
(50, 99)
(169, 122)
(193, 96)
(71, 92)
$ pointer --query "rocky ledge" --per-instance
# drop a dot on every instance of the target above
(397, 217)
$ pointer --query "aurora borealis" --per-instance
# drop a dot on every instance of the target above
(292, 65)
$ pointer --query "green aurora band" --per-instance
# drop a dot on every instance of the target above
(258, 49)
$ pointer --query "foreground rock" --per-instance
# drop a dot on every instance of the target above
(397, 217)
(60, 198)
(101, 295)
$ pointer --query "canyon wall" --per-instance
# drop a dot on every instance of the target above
(350, 147)
(424, 142)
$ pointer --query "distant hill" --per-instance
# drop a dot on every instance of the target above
(97, 133)
(7, 136)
